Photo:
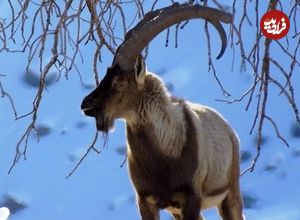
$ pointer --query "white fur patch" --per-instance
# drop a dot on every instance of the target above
(169, 128)
(212, 201)
(207, 202)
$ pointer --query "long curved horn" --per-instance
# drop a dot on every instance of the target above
(155, 22)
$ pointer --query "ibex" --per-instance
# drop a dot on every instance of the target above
(182, 157)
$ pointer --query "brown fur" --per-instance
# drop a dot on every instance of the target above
(155, 174)
(181, 157)
(231, 207)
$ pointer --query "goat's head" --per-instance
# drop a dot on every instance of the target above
(118, 92)
(116, 96)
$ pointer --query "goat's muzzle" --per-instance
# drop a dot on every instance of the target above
(91, 109)
(88, 106)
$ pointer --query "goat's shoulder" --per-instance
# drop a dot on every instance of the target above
(213, 129)
(209, 116)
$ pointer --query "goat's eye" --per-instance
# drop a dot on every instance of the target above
(121, 85)
(118, 83)
(118, 86)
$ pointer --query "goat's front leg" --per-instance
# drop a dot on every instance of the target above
(191, 208)
(148, 210)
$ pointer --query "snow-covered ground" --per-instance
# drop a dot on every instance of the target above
(4, 213)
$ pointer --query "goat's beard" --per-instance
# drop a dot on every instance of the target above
(104, 123)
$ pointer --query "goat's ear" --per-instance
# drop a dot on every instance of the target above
(140, 70)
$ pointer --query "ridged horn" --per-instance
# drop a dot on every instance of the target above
(156, 21)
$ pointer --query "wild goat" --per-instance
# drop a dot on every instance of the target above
(182, 157)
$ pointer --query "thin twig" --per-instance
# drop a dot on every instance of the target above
(124, 161)
(5, 94)
(91, 147)
(210, 63)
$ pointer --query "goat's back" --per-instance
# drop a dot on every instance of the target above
(218, 151)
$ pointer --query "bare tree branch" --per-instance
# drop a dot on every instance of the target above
(55, 35)
(5, 94)
(90, 148)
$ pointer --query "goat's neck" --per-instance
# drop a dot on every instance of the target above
(166, 116)
(167, 121)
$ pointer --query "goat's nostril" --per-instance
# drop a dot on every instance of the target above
(87, 103)
(88, 106)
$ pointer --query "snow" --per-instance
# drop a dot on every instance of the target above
(4, 213)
